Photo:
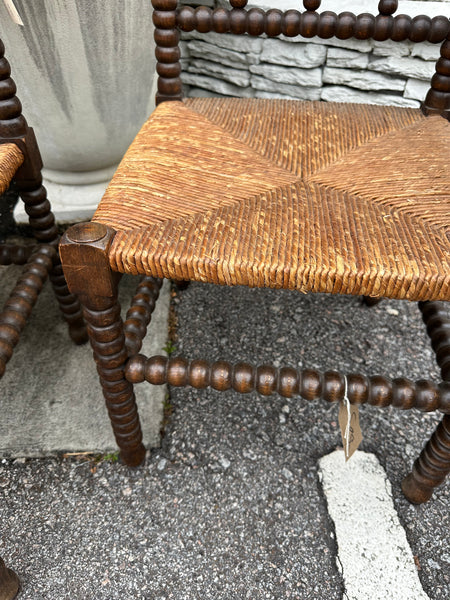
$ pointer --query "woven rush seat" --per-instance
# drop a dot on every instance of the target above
(10, 160)
(322, 197)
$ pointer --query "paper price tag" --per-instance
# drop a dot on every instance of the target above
(349, 423)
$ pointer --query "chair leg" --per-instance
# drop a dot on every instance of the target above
(19, 305)
(9, 582)
(432, 466)
(84, 254)
(181, 285)
(370, 301)
(42, 222)
(69, 304)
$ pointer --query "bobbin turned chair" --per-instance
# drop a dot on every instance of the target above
(317, 197)
(20, 169)
(20, 166)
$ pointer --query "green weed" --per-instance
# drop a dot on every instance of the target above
(169, 347)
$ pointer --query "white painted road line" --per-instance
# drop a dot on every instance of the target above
(373, 552)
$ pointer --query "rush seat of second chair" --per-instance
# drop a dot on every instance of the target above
(309, 196)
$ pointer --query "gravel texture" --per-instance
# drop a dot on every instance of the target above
(230, 506)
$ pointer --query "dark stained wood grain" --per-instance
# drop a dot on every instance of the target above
(310, 384)
(18, 306)
(140, 313)
(433, 464)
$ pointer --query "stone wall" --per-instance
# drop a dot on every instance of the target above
(338, 70)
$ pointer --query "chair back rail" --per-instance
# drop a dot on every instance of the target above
(170, 20)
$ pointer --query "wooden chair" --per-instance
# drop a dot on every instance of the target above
(20, 163)
(311, 196)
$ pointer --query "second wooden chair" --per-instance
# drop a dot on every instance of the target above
(309, 196)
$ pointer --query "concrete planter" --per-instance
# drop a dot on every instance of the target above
(84, 71)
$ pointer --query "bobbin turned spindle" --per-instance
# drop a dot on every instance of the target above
(167, 52)
(310, 384)
(433, 464)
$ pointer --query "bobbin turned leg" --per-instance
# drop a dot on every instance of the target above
(19, 305)
(42, 221)
(181, 285)
(9, 582)
(84, 254)
(370, 301)
(432, 466)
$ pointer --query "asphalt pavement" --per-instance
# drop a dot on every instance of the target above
(231, 505)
